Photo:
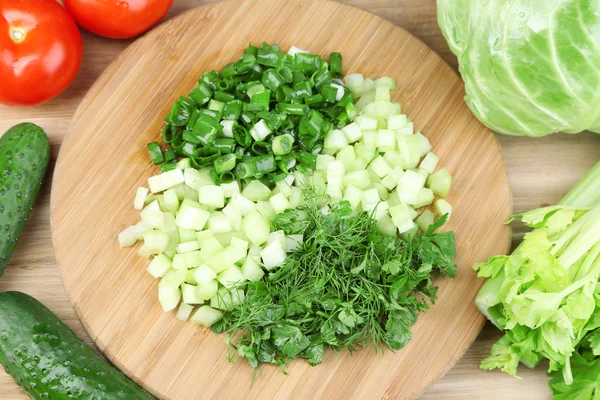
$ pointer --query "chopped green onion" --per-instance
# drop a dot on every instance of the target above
(307, 62)
(232, 110)
(156, 153)
(293, 109)
(244, 170)
(335, 64)
(282, 144)
(225, 163)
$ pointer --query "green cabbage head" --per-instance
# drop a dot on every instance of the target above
(530, 67)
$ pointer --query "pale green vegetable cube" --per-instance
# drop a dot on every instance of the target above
(381, 190)
(206, 316)
(212, 196)
(273, 255)
(256, 191)
(410, 151)
(401, 216)
(180, 190)
(412, 213)
(183, 163)
(381, 210)
(347, 157)
(424, 198)
(381, 123)
(360, 179)
(360, 164)
(189, 193)
(300, 180)
(179, 262)
(366, 123)
(393, 200)
(425, 145)
(408, 129)
(256, 228)
(335, 140)
(442, 207)
(323, 161)
(155, 241)
(169, 222)
(191, 217)
(143, 252)
(369, 142)
(425, 219)
(396, 122)
(166, 180)
(224, 298)
(386, 226)
(279, 203)
(254, 253)
(230, 189)
(252, 270)
(266, 210)
(219, 223)
(193, 259)
(204, 274)
(380, 167)
(334, 191)
(380, 109)
(140, 198)
(335, 173)
(231, 277)
(387, 82)
(203, 235)
(186, 235)
(190, 295)
(293, 243)
(318, 181)
(184, 312)
(393, 158)
(386, 140)
(429, 163)
(284, 188)
(243, 204)
(128, 237)
(196, 179)
(370, 196)
(278, 236)
(296, 197)
(171, 200)
(367, 97)
(209, 247)
(352, 132)
(234, 216)
(389, 182)
(152, 216)
(171, 249)
(207, 289)
(440, 183)
(409, 186)
(169, 297)
(188, 246)
(173, 278)
(382, 93)
(159, 266)
(409, 234)
(354, 82)
(353, 195)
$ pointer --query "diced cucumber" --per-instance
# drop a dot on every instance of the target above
(440, 182)
(353, 195)
(256, 228)
(140, 198)
(424, 220)
(219, 223)
(204, 274)
(252, 270)
(207, 289)
(231, 277)
(184, 312)
(159, 266)
(169, 297)
(429, 163)
(212, 196)
(152, 216)
(352, 131)
(335, 141)
(190, 294)
(273, 255)
(443, 207)
(206, 316)
(166, 180)
(359, 179)
(191, 217)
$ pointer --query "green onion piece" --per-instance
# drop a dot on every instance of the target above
(216, 114)
(286, 73)
(251, 50)
(321, 77)
(244, 170)
(307, 62)
(293, 109)
(282, 144)
(188, 149)
(329, 93)
(253, 88)
(167, 133)
(255, 107)
(335, 64)
(179, 114)
(269, 56)
(272, 79)
(263, 164)
(225, 84)
(263, 99)
(302, 89)
(193, 119)
(314, 100)
(288, 60)
(170, 155)
(346, 99)
(248, 118)
(232, 110)
(204, 156)
(227, 177)
(228, 71)
(311, 124)
(201, 94)
(260, 147)
(156, 154)
(223, 97)
(244, 64)
(242, 136)
(274, 120)
(210, 79)
(284, 94)
(342, 119)
(267, 180)
(167, 166)
(214, 177)
(225, 145)
(298, 76)
(216, 105)
(206, 129)
(225, 163)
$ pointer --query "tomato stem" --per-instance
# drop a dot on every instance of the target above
(17, 34)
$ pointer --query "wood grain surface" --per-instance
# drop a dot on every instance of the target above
(540, 170)
(116, 299)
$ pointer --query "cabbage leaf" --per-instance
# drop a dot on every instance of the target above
(530, 67)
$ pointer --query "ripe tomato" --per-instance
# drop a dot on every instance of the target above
(40, 51)
(117, 19)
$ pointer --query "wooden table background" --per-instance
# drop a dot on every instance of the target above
(541, 171)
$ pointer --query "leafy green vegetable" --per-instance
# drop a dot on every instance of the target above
(347, 287)
(546, 295)
(530, 67)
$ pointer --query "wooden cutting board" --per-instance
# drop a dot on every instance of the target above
(104, 159)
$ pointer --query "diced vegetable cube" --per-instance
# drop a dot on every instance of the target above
(425, 145)
(140, 198)
(386, 226)
(381, 210)
(296, 197)
(185, 235)
(353, 195)
(231, 277)
(429, 163)
(401, 217)
(204, 274)
(393, 158)
(366, 123)
(159, 266)
(230, 189)
(409, 186)
(323, 161)
(443, 207)
(196, 179)
(380, 167)
(335, 141)
(212, 196)
(128, 237)
(207, 289)
(155, 241)
(266, 210)
(389, 182)
(173, 278)
(191, 217)
(188, 246)
(408, 129)
(169, 297)
(273, 255)
(179, 262)
(190, 295)
(284, 188)
(352, 132)
(166, 180)
(245, 205)
(206, 316)
(425, 219)
(360, 179)
(293, 243)
(410, 151)
(252, 270)
(424, 198)
(386, 140)
(256, 191)
(396, 122)
(382, 93)
(152, 216)
(209, 247)
(279, 202)
(193, 259)
(256, 228)
(347, 157)
(355, 82)
(219, 223)
(184, 312)
(440, 182)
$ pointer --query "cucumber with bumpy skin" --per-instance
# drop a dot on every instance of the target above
(24, 156)
(46, 358)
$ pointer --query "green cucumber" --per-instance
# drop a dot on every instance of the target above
(24, 156)
(46, 358)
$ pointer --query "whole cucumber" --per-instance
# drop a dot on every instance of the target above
(24, 156)
(49, 361)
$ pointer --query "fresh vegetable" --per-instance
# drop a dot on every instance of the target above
(24, 156)
(260, 117)
(49, 361)
(118, 19)
(347, 286)
(530, 66)
(41, 51)
(545, 295)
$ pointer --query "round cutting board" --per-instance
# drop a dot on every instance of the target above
(104, 159)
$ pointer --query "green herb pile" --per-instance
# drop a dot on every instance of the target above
(347, 287)
(260, 117)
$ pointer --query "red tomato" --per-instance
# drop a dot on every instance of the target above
(117, 19)
(40, 51)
